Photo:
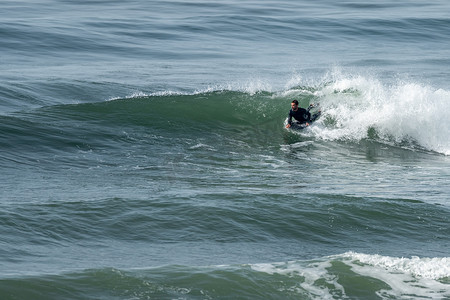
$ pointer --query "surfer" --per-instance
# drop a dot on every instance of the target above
(301, 115)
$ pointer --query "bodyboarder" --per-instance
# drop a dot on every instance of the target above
(301, 115)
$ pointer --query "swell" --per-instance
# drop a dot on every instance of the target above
(216, 217)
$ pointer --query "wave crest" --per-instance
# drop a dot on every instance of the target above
(360, 107)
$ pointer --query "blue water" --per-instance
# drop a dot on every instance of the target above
(144, 154)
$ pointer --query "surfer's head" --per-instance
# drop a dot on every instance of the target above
(294, 104)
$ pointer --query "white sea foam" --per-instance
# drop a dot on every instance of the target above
(140, 94)
(310, 273)
(401, 112)
(203, 147)
(407, 278)
(433, 268)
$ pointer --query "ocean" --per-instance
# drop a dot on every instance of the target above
(144, 153)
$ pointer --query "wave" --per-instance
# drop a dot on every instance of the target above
(349, 275)
(355, 108)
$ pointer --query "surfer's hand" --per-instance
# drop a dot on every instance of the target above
(288, 125)
(307, 124)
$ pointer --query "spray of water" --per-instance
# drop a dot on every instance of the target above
(360, 107)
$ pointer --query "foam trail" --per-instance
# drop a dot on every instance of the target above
(402, 278)
(416, 276)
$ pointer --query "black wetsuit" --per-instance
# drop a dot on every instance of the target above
(301, 115)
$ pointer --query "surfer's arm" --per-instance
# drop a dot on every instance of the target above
(308, 119)
(289, 120)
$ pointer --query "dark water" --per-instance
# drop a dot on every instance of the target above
(144, 154)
